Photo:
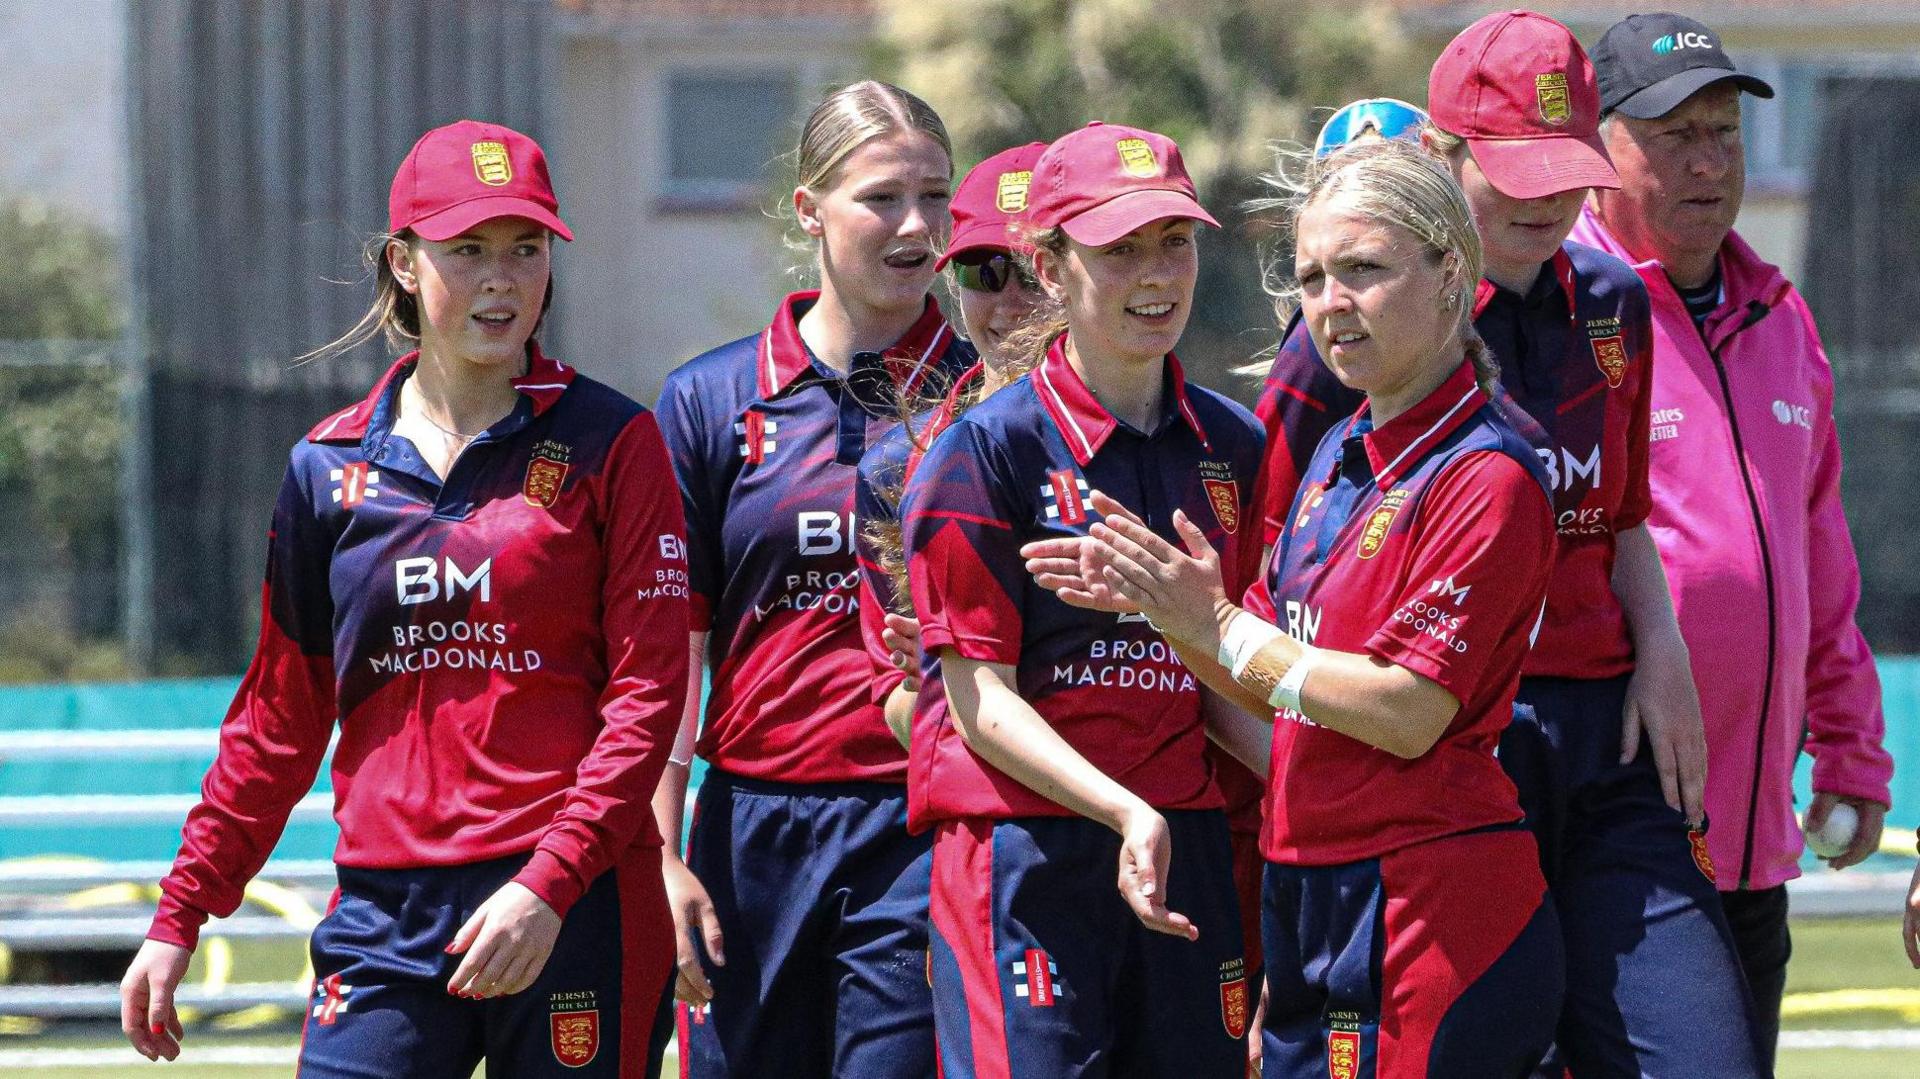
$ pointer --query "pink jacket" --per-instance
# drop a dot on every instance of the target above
(1745, 470)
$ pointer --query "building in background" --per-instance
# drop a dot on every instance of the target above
(1793, 44)
(240, 150)
(676, 120)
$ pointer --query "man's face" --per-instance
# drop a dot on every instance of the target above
(1681, 177)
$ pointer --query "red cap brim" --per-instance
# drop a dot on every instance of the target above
(457, 219)
(1536, 168)
(1122, 214)
(979, 236)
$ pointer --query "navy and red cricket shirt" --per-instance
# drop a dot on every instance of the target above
(1426, 543)
(504, 651)
(766, 441)
(883, 476)
(1576, 355)
(1017, 468)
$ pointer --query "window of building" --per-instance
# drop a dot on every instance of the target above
(725, 131)
(1782, 134)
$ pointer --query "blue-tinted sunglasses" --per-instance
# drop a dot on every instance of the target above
(1389, 118)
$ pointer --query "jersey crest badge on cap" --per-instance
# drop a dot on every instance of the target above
(546, 472)
(573, 1025)
(491, 164)
(1011, 195)
(1611, 354)
(1556, 98)
(1233, 997)
(1374, 536)
(1136, 158)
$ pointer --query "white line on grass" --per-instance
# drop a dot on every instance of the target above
(269, 1055)
(213, 1055)
(1903, 1038)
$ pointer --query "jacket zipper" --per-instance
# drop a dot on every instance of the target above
(1755, 312)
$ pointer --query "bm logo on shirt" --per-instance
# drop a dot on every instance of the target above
(824, 532)
(423, 580)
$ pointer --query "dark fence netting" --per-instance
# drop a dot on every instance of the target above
(266, 136)
(1862, 280)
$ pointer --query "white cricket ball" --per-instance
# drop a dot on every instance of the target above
(1833, 838)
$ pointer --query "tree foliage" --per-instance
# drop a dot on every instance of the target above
(60, 436)
(1229, 80)
(62, 281)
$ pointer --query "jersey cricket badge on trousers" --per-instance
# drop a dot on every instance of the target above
(1343, 1045)
(546, 473)
(1702, 860)
(1233, 997)
(1343, 1055)
(573, 1025)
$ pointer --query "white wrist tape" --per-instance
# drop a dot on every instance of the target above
(1246, 635)
(1287, 693)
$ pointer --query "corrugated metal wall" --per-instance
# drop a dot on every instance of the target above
(265, 135)
(1862, 281)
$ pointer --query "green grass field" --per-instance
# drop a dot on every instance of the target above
(1860, 958)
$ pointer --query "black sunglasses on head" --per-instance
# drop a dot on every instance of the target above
(992, 273)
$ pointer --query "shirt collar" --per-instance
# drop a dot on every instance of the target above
(784, 357)
(1395, 447)
(546, 379)
(1562, 266)
(1083, 421)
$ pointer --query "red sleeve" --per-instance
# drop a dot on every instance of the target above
(644, 619)
(1480, 549)
(963, 555)
(1636, 499)
(275, 733)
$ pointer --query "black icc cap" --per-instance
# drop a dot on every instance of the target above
(1648, 64)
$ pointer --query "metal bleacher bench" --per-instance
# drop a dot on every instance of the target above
(33, 920)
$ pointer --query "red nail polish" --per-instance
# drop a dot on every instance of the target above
(159, 1029)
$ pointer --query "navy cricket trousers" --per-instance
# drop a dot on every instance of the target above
(381, 1010)
(1654, 985)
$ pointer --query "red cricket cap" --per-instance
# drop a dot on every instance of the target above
(467, 172)
(990, 198)
(1104, 180)
(1519, 89)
